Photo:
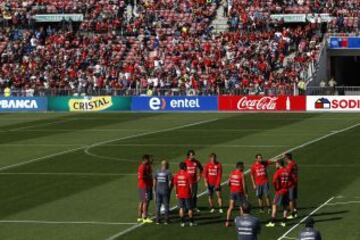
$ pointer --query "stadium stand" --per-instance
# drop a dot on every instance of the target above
(164, 47)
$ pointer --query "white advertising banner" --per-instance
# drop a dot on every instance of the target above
(333, 103)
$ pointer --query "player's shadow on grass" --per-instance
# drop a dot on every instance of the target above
(215, 221)
(324, 214)
(329, 219)
(204, 218)
(330, 213)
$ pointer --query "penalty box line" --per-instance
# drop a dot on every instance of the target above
(332, 133)
(284, 236)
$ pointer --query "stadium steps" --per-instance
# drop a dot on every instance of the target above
(219, 24)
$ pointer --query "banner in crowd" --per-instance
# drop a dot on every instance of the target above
(302, 18)
(180, 104)
(89, 104)
(23, 104)
(333, 103)
(290, 18)
(261, 103)
(58, 17)
(344, 42)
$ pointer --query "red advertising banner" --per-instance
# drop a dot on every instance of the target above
(262, 103)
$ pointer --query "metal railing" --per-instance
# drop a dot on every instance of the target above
(341, 90)
(148, 92)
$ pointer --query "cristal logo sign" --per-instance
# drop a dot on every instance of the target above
(265, 103)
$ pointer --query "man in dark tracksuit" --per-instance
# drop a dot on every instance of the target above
(247, 226)
(162, 189)
(309, 233)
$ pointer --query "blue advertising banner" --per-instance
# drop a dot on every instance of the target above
(344, 42)
(23, 104)
(170, 104)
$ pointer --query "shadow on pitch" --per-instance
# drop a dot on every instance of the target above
(324, 214)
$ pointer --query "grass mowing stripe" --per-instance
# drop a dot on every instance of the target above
(63, 222)
(39, 125)
(69, 174)
(114, 237)
(305, 218)
(144, 145)
(87, 148)
(148, 133)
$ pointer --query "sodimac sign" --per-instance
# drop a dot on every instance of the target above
(333, 103)
(262, 103)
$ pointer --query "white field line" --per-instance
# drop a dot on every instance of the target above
(228, 164)
(343, 203)
(87, 174)
(62, 222)
(144, 145)
(67, 174)
(330, 165)
(115, 236)
(265, 132)
(346, 197)
(86, 148)
(305, 218)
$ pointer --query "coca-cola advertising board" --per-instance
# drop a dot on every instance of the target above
(262, 103)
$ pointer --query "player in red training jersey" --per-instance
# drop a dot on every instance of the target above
(195, 170)
(183, 183)
(238, 190)
(145, 189)
(282, 181)
(293, 191)
(212, 178)
(260, 181)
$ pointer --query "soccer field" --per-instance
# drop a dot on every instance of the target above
(73, 176)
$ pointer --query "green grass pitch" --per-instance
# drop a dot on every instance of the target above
(72, 176)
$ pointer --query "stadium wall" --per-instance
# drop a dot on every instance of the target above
(182, 104)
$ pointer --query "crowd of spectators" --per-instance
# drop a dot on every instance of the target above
(163, 47)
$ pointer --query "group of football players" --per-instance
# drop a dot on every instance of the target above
(189, 175)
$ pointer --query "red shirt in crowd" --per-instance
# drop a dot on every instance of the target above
(182, 183)
(236, 182)
(144, 176)
(259, 172)
(282, 181)
(192, 168)
(213, 173)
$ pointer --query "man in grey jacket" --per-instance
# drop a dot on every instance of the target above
(247, 226)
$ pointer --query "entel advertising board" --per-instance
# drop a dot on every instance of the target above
(23, 104)
(174, 104)
(261, 103)
(333, 103)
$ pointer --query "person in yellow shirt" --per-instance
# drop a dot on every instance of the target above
(7, 92)
(149, 92)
